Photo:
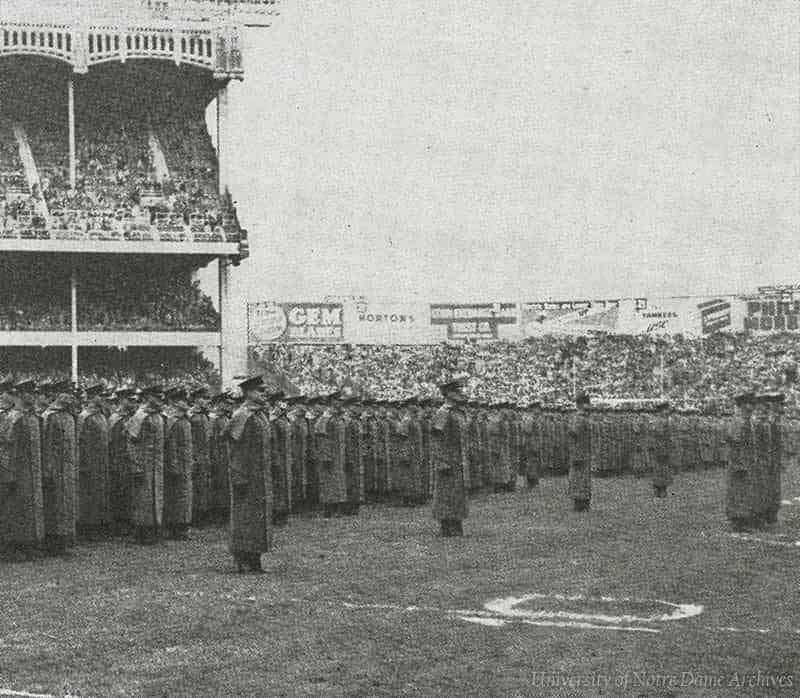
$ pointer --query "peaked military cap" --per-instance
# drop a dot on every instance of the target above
(25, 386)
(199, 392)
(745, 398)
(582, 398)
(252, 383)
(94, 390)
(776, 398)
(6, 385)
(176, 392)
(452, 386)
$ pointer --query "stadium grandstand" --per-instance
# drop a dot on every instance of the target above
(112, 193)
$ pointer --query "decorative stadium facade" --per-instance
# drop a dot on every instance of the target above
(112, 192)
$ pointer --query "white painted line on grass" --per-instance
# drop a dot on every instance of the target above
(23, 694)
(781, 541)
(500, 622)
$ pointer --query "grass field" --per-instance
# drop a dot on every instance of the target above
(331, 616)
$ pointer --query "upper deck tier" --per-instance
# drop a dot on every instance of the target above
(85, 33)
(65, 11)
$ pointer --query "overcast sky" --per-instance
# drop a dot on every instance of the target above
(512, 149)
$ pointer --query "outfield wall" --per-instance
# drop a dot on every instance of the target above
(359, 320)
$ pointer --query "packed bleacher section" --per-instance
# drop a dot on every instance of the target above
(19, 207)
(130, 295)
(126, 118)
(142, 297)
(34, 294)
(704, 373)
(134, 366)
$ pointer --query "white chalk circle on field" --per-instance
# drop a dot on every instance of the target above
(502, 611)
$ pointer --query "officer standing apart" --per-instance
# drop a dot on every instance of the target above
(249, 433)
(449, 459)
(662, 439)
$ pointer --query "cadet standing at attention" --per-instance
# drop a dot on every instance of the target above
(353, 461)
(281, 460)
(329, 454)
(146, 449)
(21, 508)
(201, 470)
(741, 481)
(94, 519)
(580, 455)
(59, 472)
(178, 466)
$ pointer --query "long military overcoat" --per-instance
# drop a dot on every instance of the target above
(249, 432)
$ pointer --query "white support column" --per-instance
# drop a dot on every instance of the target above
(74, 317)
(222, 138)
(233, 334)
(225, 367)
(73, 164)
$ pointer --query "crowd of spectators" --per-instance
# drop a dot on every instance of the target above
(19, 206)
(696, 372)
(112, 367)
(21, 313)
(112, 296)
(147, 300)
(120, 193)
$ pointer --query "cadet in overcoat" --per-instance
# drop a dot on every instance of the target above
(249, 433)
(383, 451)
(353, 456)
(281, 460)
(741, 480)
(94, 508)
(201, 456)
(329, 454)
(472, 410)
(219, 456)
(21, 502)
(119, 469)
(178, 466)
(499, 429)
(298, 428)
(639, 450)
(145, 430)
(531, 444)
(426, 471)
(768, 414)
(59, 474)
(580, 455)
(660, 430)
(411, 454)
(449, 459)
(368, 431)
